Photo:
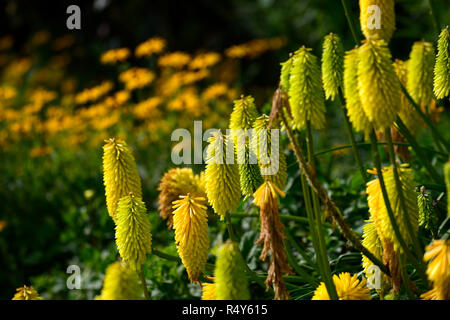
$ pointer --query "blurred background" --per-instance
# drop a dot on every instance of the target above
(61, 95)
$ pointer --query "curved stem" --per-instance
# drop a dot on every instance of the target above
(423, 158)
(350, 21)
(412, 234)
(398, 235)
(425, 118)
(330, 206)
(331, 288)
(434, 16)
(351, 136)
(144, 283)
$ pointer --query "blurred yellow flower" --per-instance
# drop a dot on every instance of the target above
(41, 37)
(147, 109)
(93, 93)
(255, 48)
(7, 93)
(348, 287)
(150, 46)
(136, 78)
(42, 96)
(214, 91)
(117, 99)
(40, 151)
(114, 55)
(63, 42)
(204, 60)
(176, 59)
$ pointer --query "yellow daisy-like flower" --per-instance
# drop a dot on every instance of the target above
(190, 222)
(150, 46)
(136, 78)
(438, 270)
(26, 293)
(120, 174)
(378, 85)
(209, 290)
(120, 283)
(115, 55)
(204, 60)
(133, 237)
(176, 59)
(348, 287)
(370, 11)
(214, 91)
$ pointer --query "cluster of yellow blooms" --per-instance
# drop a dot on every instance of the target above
(61, 114)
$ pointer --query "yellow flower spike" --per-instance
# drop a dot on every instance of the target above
(222, 175)
(133, 237)
(442, 66)
(355, 111)
(120, 174)
(120, 283)
(306, 96)
(407, 113)
(348, 287)
(370, 15)
(332, 65)
(230, 276)
(378, 85)
(174, 183)
(420, 72)
(241, 120)
(279, 178)
(377, 207)
(286, 68)
(373, 243)
(438, 271)
(208, 291)
(26, 293)
(190, 222)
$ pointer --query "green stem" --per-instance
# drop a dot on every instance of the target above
(298, 248)
(398, 235)
(434, 16)
(412, 234)
(318, 223)
(405, 277)
(330, 206)
(312, 229)
(350, 21)
(425, 118)
(298, 269)
(348, 146)
(423, 158)
(144, 283)
(351, 136)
